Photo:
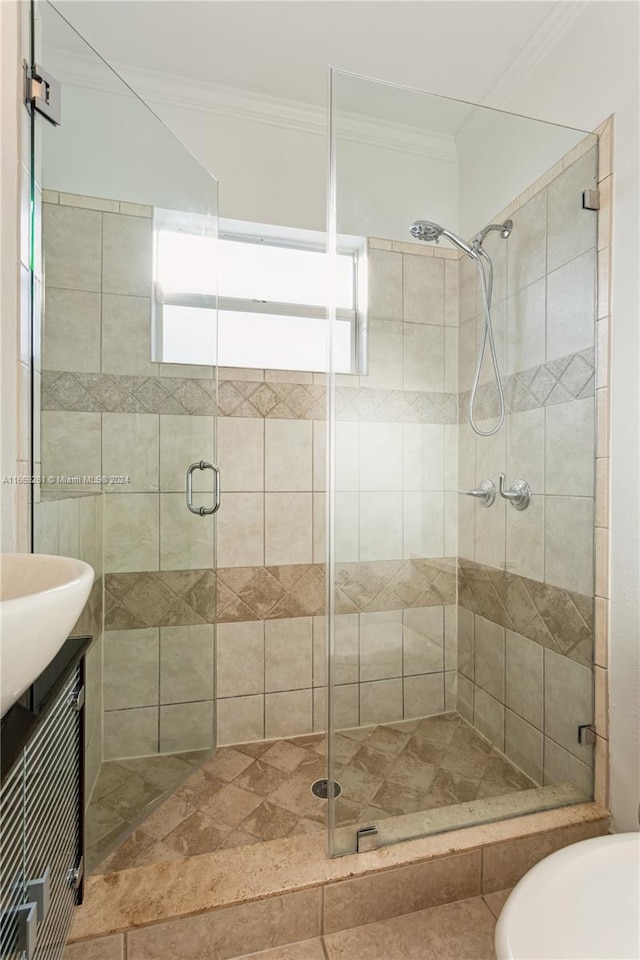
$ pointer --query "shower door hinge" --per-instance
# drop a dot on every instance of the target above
(366, 839)
(586, 735)
(43, 93)
(591, 200)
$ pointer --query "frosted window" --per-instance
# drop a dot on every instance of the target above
(254, 340)
(251, 271)
(271, 299)
(186, 263)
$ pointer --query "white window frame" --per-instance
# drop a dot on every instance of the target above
(245, 232)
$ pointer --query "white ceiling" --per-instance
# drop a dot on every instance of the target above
(455, 48)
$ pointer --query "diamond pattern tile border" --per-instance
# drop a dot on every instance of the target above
(555, 618)
(182, 597)
(112, 393)
(559, 381)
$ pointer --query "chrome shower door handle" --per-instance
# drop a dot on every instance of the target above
(518, 494)
(203, 465)
(486, 493)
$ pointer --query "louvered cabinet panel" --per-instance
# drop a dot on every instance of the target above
(42, 829)
(12, 860)
(52, 814)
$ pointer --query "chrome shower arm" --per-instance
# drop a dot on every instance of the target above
(504, 228)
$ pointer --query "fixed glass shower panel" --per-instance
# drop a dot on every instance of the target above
(460, 568)
(124, 430)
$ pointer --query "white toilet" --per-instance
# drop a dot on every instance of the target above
(582, 902)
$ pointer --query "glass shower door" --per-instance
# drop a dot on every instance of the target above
(125, 423)
(460, 628)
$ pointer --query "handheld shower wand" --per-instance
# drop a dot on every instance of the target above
(430, 232)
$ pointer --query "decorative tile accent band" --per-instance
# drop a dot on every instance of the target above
(184, 597)
(248, 398)
(395, 406)
(114, 393)
(559, 381)
(270, 593)
(168, 598)
(553, 617)
(395, 584)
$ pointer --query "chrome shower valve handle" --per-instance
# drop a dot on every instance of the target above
(485, 493)
(518, 494)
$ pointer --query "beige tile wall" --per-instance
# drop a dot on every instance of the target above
(72, 526)
(396, 474)
(550, 254)
(529, 699)
(158, 683)
(395, 494)
(394, 484)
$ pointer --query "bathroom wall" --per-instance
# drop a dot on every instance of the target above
(70, 525)
(589, 73)
(527, 578)
(15, 414)
(246, 141)
(396, 505)
(390, 646)
(578, 79)
(396, 502)
(106, 412)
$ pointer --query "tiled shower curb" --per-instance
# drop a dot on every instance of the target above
(225, 904)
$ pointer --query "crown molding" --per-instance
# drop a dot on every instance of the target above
(159, 89)
(163, 89)
(514, 78)
(397, 136)
(552, 28)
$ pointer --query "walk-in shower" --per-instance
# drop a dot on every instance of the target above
(429, 232)
(454, 631)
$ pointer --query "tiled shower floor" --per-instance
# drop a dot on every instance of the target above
(262, 791)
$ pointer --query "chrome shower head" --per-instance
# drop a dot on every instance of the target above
(426, 231)
(430, 232)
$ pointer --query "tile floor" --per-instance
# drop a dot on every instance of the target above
(261, 791)
(455, 931)
(124, 790)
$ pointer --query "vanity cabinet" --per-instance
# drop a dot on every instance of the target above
(41, 811)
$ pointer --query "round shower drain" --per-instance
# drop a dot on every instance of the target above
(321, 788)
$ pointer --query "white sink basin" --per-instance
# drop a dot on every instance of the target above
(41, 597)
